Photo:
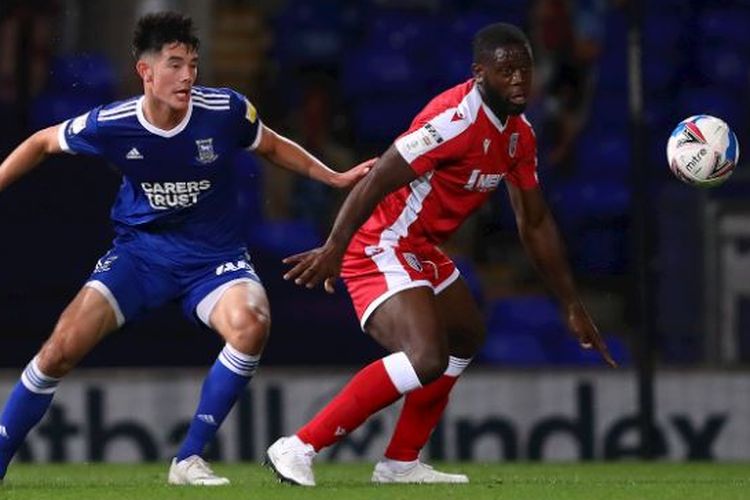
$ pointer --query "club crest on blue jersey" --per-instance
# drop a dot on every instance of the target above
(206, 152)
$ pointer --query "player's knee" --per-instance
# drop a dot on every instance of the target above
(429, 363)
(249, 327)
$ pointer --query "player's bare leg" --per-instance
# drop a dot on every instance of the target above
(423, 408)
(407, 325)
(242, 317)
(83, 324)
(86, 320)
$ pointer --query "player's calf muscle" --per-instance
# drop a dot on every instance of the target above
(56, 360)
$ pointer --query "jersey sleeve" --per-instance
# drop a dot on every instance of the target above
(429, 143)
(523, 174)
(80, 135)
(245, 121)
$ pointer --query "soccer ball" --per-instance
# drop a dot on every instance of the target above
(702, 151)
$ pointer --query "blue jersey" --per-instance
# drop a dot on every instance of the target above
(178, 192)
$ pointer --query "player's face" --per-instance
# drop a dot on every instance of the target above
(505, 79)
(171, 75)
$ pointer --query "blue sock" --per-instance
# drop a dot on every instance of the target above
(26, 405)
(225, 381)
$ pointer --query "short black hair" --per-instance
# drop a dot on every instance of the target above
(155, 30)
(489, 38)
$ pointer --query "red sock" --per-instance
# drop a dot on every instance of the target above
(419, 416)
(368, 392)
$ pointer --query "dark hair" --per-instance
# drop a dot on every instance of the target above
(153, 31)
(496, 35)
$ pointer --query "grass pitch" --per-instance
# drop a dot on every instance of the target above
(596, 481)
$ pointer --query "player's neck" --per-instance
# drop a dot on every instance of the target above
(491, 102)
(161, 115)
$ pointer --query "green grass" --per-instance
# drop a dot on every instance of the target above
(597, 481)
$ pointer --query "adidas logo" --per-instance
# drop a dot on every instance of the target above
(4, 432)
(209, 419)
(340, 431)
(134, 154)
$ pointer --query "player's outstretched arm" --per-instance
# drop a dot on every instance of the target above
(288, 154)
(541, 239)
(323, 264)
(28, 155)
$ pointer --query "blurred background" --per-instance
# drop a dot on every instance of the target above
(663, 267)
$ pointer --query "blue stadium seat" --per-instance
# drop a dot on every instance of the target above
(412, 32)
(85, 74)
(663, 33)
(724, 66)
(603, 155)
(713, 101)
(725, 26)
(593, 216)
(76, 84)
(513, 350)
(568, 352)
(659, 72)
(462, 27)
(612, 70)
(381, 119)
(577, 202)
(471, 277)
(374, 70)
(609, 110)
(601, 249)
(453, 67)
(284, 237)
(52, 107)
(674, 8)
(315, 32)
(530, 330)
(536, 316)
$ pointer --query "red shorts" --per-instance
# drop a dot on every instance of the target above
(374, 273)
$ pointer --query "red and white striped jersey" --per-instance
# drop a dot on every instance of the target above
(461, 152)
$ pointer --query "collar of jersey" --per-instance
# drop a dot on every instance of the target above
(159, 131)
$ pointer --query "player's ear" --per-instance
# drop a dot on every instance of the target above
(478, 71)
(144, 70)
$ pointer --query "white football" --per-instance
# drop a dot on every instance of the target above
(702, 151)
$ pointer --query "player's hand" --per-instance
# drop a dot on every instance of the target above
(584, 329)
(321, 264)
(354, 174)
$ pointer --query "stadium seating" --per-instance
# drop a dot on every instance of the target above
(76, 84)
(284, 237)
(529, 330)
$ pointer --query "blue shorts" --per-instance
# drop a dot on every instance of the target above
(136, 280)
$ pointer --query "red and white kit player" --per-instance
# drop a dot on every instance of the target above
(461, 152)
(407, 293)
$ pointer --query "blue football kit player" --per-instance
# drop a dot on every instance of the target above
(177, 231)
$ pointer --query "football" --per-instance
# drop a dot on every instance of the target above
(702, 151)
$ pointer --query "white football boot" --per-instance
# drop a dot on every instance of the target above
(390, 471)
(291, 460)
(194, 471)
